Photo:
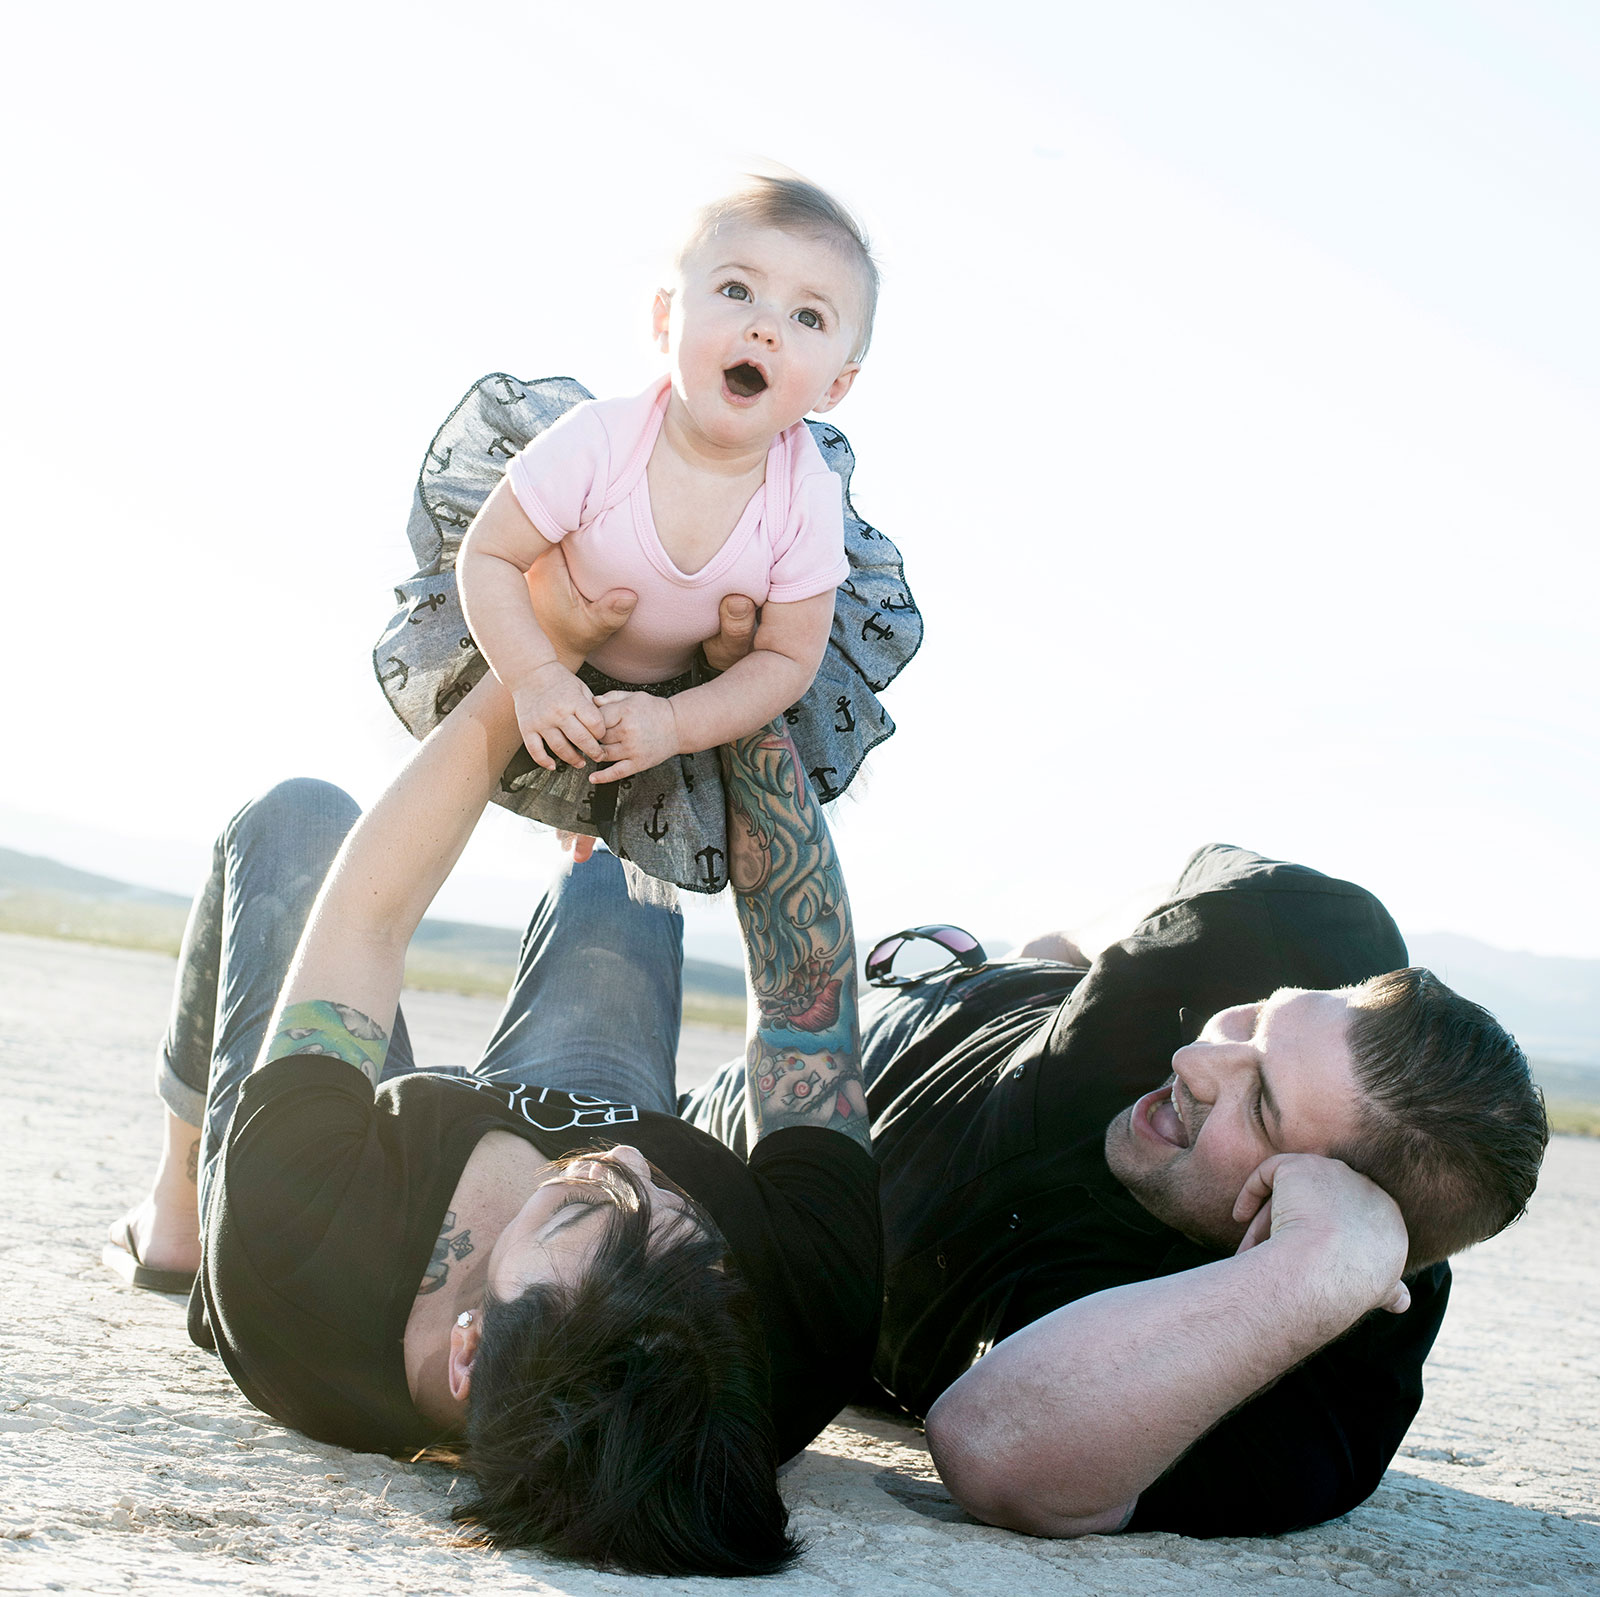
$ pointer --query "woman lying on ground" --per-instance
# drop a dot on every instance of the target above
(621, 1326)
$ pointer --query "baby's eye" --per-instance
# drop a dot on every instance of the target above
(809, 318)
(734, 291)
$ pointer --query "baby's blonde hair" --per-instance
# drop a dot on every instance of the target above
(792, 205)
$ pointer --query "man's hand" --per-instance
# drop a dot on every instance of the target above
(580, 845)
(640, 731)
(1060, 1428)
(556, 711)
(1312, 1199)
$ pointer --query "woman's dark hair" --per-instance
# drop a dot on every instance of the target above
(1453, 1128)
(625, 1419)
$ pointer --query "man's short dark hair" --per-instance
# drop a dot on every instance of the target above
(1453, 1128)
(625, 1420)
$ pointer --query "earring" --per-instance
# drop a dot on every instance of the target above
(464, 1318)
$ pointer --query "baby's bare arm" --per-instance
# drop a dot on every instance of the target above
(492, 571)
(642, 731)
(789, 645)
(554, 708)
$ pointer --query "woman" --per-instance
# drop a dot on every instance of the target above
(622, 1325)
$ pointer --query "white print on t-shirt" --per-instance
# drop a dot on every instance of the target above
(550, 1109)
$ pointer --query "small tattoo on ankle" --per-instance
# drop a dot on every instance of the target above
(193, 1167)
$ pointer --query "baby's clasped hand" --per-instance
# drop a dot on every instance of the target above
(641, 731)
(556, 711)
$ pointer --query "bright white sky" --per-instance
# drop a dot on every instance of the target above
(1235, 403)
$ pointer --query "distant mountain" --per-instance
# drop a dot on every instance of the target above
(1551, 1005)
(492, 945)
(36, 872)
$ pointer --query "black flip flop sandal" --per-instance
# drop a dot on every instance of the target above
(122, 1257)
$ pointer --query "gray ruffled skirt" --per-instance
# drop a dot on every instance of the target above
(667, 823)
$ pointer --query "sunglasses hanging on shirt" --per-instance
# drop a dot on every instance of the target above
(966, 953)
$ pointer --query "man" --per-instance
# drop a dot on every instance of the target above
(1071, 1159)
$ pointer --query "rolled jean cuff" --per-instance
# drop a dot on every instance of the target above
(182, 1099)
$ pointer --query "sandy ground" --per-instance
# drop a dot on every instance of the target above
(131, 1464)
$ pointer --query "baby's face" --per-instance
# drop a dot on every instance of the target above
(760, 330)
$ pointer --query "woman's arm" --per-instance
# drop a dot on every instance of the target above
(642, 730)
(803, 1059)
(343, 988)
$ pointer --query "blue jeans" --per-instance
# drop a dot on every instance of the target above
(596, 1005)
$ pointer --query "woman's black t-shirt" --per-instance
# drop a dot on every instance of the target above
(328, 1201)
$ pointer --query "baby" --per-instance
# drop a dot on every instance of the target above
(708, 484)
(705, 485)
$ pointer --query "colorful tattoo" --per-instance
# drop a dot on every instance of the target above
(804, 1058)
(318, 1026)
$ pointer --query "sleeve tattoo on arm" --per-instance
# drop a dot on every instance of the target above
(804, 1057)
(317, 1026)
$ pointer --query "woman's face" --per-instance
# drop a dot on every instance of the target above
(556, 1233)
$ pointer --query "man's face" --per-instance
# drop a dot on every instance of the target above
(1274, 1077)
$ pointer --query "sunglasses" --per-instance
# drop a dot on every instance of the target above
(965, 951)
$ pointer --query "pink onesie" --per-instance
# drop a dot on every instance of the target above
(582, 483)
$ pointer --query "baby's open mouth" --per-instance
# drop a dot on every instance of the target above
(744, 380)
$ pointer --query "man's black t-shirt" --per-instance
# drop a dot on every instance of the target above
(998, 1205)
(328, 1201)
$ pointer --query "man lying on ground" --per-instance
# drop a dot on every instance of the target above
(1205, 1310)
